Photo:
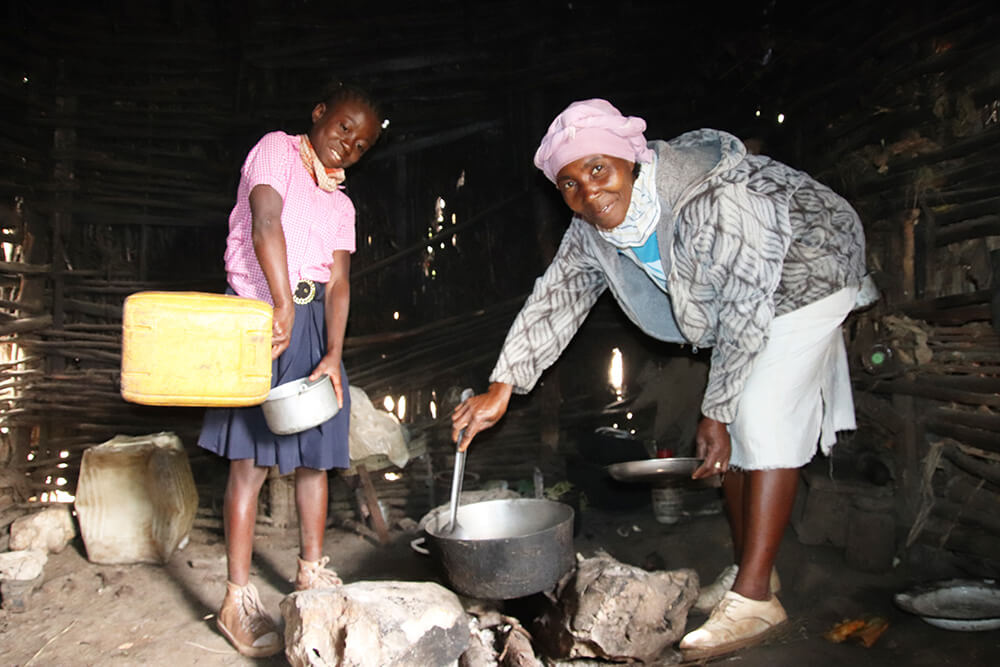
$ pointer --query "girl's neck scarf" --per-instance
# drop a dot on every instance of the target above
(326, 179)
(643, 212)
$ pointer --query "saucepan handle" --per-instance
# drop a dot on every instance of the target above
(418, 546)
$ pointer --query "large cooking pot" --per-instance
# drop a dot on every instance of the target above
(503, 549)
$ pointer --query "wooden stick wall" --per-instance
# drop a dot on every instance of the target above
(122, 155)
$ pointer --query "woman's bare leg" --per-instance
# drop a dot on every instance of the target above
(768, 496)
(732, 493)
(239, 514)
(311, 491)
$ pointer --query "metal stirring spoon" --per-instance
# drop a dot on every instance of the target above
(458, 474)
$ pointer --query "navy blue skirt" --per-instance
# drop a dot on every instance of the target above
(242, 433)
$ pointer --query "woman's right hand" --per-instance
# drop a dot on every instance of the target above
(479, 413)
(281, 328)
(714, 447)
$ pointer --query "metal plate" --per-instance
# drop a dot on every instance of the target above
(964, 626)
(955, 604)
(654, 470)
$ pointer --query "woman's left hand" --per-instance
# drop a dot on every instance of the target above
(330, 365)
(714, 447)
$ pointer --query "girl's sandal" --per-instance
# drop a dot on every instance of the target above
(314, 574)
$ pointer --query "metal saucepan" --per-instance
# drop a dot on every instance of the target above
(299, 405)
(503, 549)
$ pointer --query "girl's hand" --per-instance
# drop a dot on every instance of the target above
(330, 365)
(281, 329)
(479, 413)
(714, 447)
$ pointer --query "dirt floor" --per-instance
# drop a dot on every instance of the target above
(85, 614)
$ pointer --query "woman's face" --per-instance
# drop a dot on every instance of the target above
(341, 134)
(598, 188)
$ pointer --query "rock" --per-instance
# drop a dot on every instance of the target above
(50, 530)
(612, 611)
(381, 623)
(496, 639)
(375, 432)
(22, 565)
(481, 652)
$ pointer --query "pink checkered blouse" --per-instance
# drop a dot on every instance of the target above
(315, 222)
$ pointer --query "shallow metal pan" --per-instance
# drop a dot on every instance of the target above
(674, 469)
(955, 604)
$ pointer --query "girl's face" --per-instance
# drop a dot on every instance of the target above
(341, 134)
(598, 188)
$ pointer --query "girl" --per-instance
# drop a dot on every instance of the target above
(291, 235)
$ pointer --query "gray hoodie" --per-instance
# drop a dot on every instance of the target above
(742, 238)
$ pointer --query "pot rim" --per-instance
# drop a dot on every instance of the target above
(437, 533)
(297, 387)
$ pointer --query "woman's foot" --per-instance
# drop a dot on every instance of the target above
(711, 595)
(314, 574)
(736, 622)
(246, 624)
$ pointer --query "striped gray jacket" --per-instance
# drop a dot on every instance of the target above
(742, 237)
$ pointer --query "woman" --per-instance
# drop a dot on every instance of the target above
(702, 243)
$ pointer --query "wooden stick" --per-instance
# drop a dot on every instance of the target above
(986, 440)
(978, 420)
(930, 388)
(54, 637)
(973, 465)
(25, 269)
(372, 501)
(25, 324)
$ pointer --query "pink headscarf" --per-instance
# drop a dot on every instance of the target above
(591, 127)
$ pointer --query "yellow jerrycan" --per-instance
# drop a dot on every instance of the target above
(195, 349)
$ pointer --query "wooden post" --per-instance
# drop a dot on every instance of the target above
(371, 499)
(548, 238)
(909, 249)
(551, 398)
(908, 456)
(281, 497)
(995, 299)
(64, 139)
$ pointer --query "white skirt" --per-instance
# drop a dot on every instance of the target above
(798, 394)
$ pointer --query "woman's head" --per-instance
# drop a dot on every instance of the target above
(591, 152)
(345, 125)
(591, 127)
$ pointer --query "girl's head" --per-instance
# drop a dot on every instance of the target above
(345, 125)
(591, 152)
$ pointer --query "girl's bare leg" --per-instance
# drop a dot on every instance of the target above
(311, 492)
(239, 513)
